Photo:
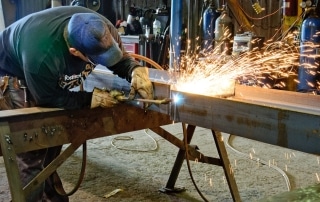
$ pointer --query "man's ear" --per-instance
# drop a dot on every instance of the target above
(74, 52)
(77, 53)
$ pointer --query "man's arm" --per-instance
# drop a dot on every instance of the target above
(47, 93)
(131, 70)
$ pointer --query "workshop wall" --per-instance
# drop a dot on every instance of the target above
(148, 3)
(16, 9)
(267, 23)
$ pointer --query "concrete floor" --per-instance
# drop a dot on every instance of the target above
(140, 167)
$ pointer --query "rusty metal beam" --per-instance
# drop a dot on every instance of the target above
(58, 127)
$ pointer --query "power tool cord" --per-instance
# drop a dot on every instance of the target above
(185, 138)
(60, 190)
(260, 161)
(129, 138)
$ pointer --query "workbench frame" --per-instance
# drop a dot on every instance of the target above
(29, 129)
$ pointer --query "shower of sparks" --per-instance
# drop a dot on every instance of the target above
(216, 73)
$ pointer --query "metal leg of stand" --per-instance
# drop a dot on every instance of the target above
(9, 157)
(170, 186)
(228, 171)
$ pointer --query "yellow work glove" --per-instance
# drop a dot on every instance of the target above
(104, 98)
(141, 84)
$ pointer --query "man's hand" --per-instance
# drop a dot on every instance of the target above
(104, 98)
(140, 83)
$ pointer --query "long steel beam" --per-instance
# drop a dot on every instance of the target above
(283, 118)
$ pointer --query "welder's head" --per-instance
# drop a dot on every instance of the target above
(89, 34)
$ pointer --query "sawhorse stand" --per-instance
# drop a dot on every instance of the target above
(193, 153)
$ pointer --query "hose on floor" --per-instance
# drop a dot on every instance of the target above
(60, 190)
(129, 138)
(260, 161)
(237, 152)
(185, 138)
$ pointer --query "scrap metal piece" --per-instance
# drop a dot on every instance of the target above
(162, 101)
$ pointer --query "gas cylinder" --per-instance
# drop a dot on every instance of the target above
(290, 7)
(224, 32)
(208, 27)
(156, 27)
(308, 72)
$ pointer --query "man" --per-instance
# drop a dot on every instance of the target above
(53, 51)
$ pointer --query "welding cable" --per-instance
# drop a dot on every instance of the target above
(253, 18)
(60, 190)
(258, 160)
(185, 138)
(143, 58)
(284, 34)
(297, 21)
(129, 138)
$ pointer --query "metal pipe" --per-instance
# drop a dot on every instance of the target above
(2, 21)
(55, 3)
(193, 25)
(191, 31)
(162, 101)
(175, 34)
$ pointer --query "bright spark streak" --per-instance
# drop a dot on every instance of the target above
(216, 73)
